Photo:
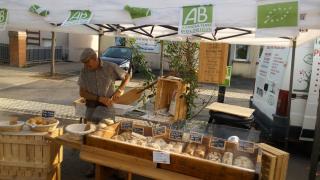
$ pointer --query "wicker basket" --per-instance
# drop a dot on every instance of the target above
(6, 127)
(76, 131)
(43, 128)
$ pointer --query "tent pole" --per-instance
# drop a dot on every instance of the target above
(315, 147)
(99, 41)
(161, 59)
(53, 49)
(294, 44)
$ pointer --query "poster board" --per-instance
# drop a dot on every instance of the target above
(269, 78)
(310, 115)
(213, 60)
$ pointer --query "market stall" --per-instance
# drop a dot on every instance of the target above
(156, 149)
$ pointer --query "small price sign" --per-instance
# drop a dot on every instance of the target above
(176, 135)
(218, 143)
(138, 130)
(47, 114)
(196, 137)
(161, 157)
(246, 146)
(159, 131)
(126, 125)
(78, 17)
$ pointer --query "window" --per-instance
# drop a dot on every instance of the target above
(241, 52)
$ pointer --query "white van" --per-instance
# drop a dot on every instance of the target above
(271, 91)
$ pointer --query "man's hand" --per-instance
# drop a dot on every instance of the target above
(106, 101)
(117, 94)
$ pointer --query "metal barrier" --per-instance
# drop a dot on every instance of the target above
(4, 53)
(43, 54)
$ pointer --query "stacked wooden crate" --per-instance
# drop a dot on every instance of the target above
(165, 90)
(274, 163)
(29, 155)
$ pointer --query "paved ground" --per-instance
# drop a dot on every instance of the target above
(25, 90)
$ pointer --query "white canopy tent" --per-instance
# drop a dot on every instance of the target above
(235, 21)
(110, 18)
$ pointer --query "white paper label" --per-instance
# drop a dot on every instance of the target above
(161, 157)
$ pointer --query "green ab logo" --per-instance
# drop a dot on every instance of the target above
(3, 15)
(78, 15)
(197, 14)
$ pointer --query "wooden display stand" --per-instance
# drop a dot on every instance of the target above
(180, 164)
(274, 163)
(30, 155)
(165, 89)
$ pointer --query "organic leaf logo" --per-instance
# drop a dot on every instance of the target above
(277, 15)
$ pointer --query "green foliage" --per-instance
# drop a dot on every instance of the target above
(184, 64)
(140, 64)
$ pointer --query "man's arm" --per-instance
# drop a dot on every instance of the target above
(89, 96)
(120, 89)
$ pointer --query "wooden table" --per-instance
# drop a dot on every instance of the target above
(64, 140)
(132, 165)
(231, 109)
(105, 160)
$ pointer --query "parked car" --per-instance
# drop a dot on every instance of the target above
(119, 55)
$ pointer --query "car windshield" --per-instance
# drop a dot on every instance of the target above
(116, 52)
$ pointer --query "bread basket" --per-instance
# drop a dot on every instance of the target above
(6, 127)
(43, 128)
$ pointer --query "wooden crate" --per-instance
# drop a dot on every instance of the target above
(165, 90)
(191, 166)
(29, 155)
(274, 163)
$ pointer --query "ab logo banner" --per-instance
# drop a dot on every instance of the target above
(3, 18)
(277, 15)
(196, 19)
(78, 17)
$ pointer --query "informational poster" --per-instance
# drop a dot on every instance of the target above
(213, 60)
(3, 19)
(313, 96)
(196, 19)
(78, 17)
(148, 45)
(120, 41)
(303, 68)
(270, 73)
(284, 14)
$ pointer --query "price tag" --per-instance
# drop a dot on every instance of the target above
(126, 125)
(47, 114)
(196, 137)
(218, 143)
(159, 131)
(176, 135)
(246, 146)
(161, 157)
(78, 17)
(138, 130)
(3, 18)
